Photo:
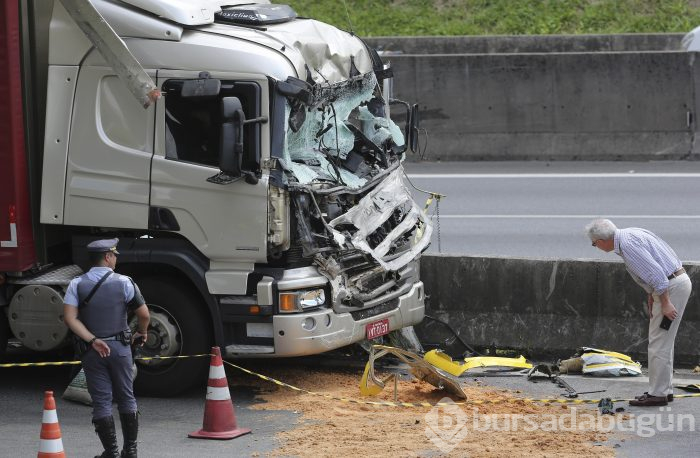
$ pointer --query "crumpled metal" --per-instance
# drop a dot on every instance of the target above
(373, 210)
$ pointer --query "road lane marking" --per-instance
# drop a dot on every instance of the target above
(443, 216)
(551, 175)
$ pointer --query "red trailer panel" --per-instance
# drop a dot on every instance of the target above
(17, 252)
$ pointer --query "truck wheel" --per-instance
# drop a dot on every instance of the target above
(178, 327)
(4, 333)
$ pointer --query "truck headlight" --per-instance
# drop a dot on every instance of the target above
(299, 301)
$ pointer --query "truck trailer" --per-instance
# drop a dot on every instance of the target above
(260, 202)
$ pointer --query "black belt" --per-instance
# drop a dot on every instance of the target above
(677, 273)
(123, 337)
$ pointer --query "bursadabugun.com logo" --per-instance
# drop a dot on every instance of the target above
(448, 424)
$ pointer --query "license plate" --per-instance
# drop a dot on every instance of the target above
(377, 329)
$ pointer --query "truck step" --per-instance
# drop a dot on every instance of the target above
(60, 276)
(238, 349)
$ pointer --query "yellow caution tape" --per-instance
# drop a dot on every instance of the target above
(150, 358)
(49, 363)
(69, 363)
(427, 204)
(350, 400)
(431, 196)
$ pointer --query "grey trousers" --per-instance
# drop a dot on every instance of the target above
(110, 378)
(661, 342)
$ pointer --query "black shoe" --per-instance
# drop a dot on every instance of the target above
(104, 427)
(669, 397)
(130, 429)
(649, 401)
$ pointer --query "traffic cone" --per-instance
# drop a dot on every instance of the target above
(219, 417)
(51, 445)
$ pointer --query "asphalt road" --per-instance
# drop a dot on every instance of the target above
(650, 432)
(165, 422)
(539, 209)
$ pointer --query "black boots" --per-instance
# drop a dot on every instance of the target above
(104, 427)
(130, 429)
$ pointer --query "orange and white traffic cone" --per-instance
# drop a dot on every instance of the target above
(219, 417)
(51, 445)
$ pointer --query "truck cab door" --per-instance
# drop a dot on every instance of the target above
(226, 222)
(109, 155)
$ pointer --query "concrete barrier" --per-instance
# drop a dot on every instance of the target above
(616, 97)
(547, 308)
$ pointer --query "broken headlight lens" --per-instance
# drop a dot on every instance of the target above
(299, 301)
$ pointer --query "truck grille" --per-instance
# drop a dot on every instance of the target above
(374, 311)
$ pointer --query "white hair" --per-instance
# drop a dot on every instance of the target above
(601, 229)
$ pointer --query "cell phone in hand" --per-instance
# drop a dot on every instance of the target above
(666, 323)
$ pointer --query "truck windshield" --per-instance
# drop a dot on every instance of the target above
(346, 137)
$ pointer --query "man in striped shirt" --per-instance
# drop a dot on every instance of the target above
(657, 269)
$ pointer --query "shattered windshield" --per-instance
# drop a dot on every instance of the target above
(344, 136)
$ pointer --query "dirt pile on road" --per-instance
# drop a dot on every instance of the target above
(331, 428)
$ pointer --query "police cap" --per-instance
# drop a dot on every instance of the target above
(103, 246)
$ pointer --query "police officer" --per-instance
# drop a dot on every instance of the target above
(95, 309)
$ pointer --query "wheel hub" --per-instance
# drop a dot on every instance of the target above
(164, 337)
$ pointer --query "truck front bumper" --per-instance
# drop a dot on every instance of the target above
(324, 330)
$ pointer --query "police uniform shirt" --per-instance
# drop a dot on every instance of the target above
(95, 274)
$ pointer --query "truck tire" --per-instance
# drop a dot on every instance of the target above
(4, 333)
(178, 327)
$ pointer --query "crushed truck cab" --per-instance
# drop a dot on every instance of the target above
(260, 201)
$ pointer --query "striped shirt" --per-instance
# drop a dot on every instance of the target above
(648, 258)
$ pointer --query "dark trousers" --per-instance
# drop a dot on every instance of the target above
(109, 379)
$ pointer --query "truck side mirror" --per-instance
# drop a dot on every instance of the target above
(414, 121)
(231, 144)
(412, 125)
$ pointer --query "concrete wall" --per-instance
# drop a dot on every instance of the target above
(545, 307)
(549, 98)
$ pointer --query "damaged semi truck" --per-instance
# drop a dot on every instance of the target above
(260, 201)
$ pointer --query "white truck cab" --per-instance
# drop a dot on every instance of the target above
(260, 202)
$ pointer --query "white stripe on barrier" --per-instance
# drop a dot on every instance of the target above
(50, 416)
(217, 372)
(51, 446)
(218, 393)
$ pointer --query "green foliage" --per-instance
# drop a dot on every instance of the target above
(503, 17)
